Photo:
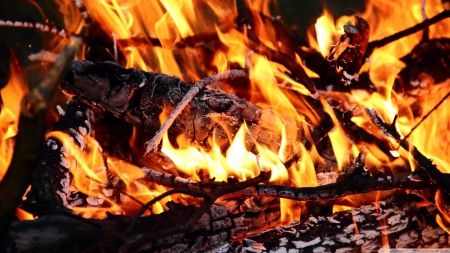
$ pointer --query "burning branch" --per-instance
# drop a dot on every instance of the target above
(29, 139)
(224, 76)
(417, 28)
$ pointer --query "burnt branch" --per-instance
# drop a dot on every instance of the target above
(138, 97)
(52, 178)
(360, 181)
(29, 138)
(209, 199)
(417, 28)
(227, 75)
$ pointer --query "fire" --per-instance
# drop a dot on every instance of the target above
(98, 179)
(174, 24)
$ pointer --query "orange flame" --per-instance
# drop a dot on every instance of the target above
(174, 23)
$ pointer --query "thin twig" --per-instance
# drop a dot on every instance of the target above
(193, 193)
(135, 241)
(230, 74)
(417, 28)
(426, 115)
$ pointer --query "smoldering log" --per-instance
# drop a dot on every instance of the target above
(52, 178)
(399, 221)
(139, 97)
(396, 223)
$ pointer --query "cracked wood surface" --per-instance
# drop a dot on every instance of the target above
(140, 97)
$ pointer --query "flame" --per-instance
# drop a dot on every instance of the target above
(98, 179)
(326, 33)
(11, 95)
(173, 24)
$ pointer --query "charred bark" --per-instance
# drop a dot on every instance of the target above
(52, 178)
(139, 98)
(399, 222)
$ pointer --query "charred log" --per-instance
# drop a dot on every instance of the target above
(139, 97)
(52, 178)
(398, 222)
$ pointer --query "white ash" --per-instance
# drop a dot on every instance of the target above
(289, 230)
(343, 239)
(358, 218)
(44, 56)
(370, 246)
(344, 250)
(89, 127)
(319, 250)
(60, 110)
(63, 162)
(356, 237)
(283, 241)
(328, 241)
(395, 219)
(360, 242)
(79, 138)
(82, 130)
(394, 229)
(332, 220)
(303, 244)
(370, 234)
(279, 250)
(180, 247)
(367, 209)
(76, 202)
(222, 248)
(63, 197)
(349, 229)
(221, 224)
(254, 244)
(312, 219)
(406, 238)
(93, 201)
(429, 233)
(52, 144)
(108, 192)
(327, 178)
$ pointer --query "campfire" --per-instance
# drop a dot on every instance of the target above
(198, 126)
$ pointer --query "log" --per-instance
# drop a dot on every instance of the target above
(139, 97)
(52, 178)
(396, 223)
(399, 221)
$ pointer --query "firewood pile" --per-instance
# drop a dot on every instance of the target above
(250, 147)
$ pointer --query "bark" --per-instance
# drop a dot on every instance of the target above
(139, 98)
(396, 223)
(399, 221)
(52, 178)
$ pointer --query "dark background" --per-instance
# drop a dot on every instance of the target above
(297, 14)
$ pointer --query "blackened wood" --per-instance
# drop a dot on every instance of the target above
(426, 65)
(139, 97)
(52, 178)
(396, 223)
(30, 135)
(354, 41)
(222, 228)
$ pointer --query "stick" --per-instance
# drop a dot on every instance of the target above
(135, 241)
(29, 138)
(419, 27)
(359, 182)
(231, 74)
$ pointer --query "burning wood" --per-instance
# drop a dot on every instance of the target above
(260, 142)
